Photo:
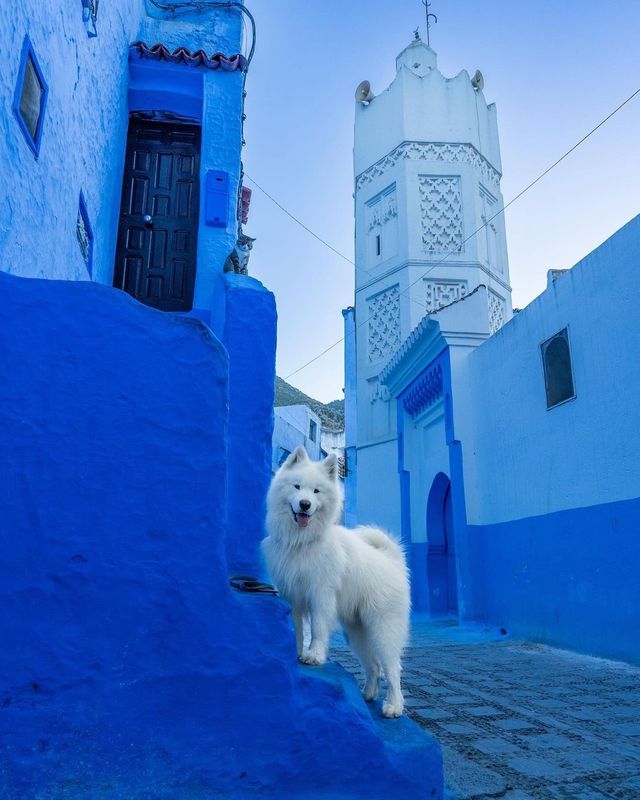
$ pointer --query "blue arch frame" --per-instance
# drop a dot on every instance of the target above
(442, 578)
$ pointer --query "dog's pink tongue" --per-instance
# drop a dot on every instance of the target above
(302, 520)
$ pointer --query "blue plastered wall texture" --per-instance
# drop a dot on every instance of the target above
(82, 146)
(250, 339)
(128, 666)
(552, 495)
(85, 127)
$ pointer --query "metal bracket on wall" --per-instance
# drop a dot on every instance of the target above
(90, 14)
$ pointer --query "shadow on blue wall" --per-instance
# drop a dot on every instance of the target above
(128, 667)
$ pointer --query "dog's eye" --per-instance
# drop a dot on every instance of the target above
(316, 491)
(296, 485)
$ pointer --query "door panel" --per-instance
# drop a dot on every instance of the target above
(156, 259)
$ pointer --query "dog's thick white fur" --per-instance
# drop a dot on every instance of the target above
(331, 575)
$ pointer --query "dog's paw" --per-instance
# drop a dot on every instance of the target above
(392, 710)
(313, 659)
(369, 694)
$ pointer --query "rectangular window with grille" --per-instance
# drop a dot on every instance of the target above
(558, 373)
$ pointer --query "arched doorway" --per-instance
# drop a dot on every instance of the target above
(441, 554)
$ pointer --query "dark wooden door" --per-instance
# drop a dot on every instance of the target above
(158, 231)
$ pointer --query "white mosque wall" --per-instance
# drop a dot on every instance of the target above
(379, 494)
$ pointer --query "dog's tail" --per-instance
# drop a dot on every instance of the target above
(382, 541)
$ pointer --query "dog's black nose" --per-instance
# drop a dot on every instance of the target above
(305, 505)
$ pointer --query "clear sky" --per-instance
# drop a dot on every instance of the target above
(554, 69)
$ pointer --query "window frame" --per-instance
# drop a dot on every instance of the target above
(29, 53)
(543, 350)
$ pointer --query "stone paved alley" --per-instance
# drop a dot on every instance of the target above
(521, 721)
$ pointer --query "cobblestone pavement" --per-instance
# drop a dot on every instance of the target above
(521, 721)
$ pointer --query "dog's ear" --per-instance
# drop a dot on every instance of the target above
(330, 463)
(297, 457)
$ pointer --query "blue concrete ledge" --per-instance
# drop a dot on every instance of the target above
(414, 758)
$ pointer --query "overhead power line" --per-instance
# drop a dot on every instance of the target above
(301, 224)
(475, 233)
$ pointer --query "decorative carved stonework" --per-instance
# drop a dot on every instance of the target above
(384, 324)
(497, 308)
(381, 209)
(441, 293)
(441, 213)
(449, 153)
(378, 391)
(425, 393)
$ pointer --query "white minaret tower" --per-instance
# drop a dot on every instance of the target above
(427, 196)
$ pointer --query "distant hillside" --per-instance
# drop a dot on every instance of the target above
(331, 414)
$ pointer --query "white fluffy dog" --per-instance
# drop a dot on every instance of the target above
(330, 574)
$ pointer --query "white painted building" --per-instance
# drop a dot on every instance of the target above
(427, 177)
(293, 426)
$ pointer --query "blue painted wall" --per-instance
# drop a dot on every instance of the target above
(250, 339)
(128, 667)
(552, 495)
(83, 135)
(569, 578)
(92, 89)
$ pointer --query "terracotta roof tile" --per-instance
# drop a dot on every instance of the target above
(198, 58)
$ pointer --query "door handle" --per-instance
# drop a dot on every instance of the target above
(148, 221)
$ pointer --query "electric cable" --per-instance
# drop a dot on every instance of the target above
(180, 9)
(301, 224)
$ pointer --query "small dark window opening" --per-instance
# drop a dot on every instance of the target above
(85, 235)
(30, 97)
(378, 248)
(313, 430)
(284, 455)
(558, 375)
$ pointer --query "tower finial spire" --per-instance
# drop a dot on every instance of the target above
(429, 16)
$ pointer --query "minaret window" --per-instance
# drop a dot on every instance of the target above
(381, 217)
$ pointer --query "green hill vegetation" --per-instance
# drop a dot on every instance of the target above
(331, 414)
